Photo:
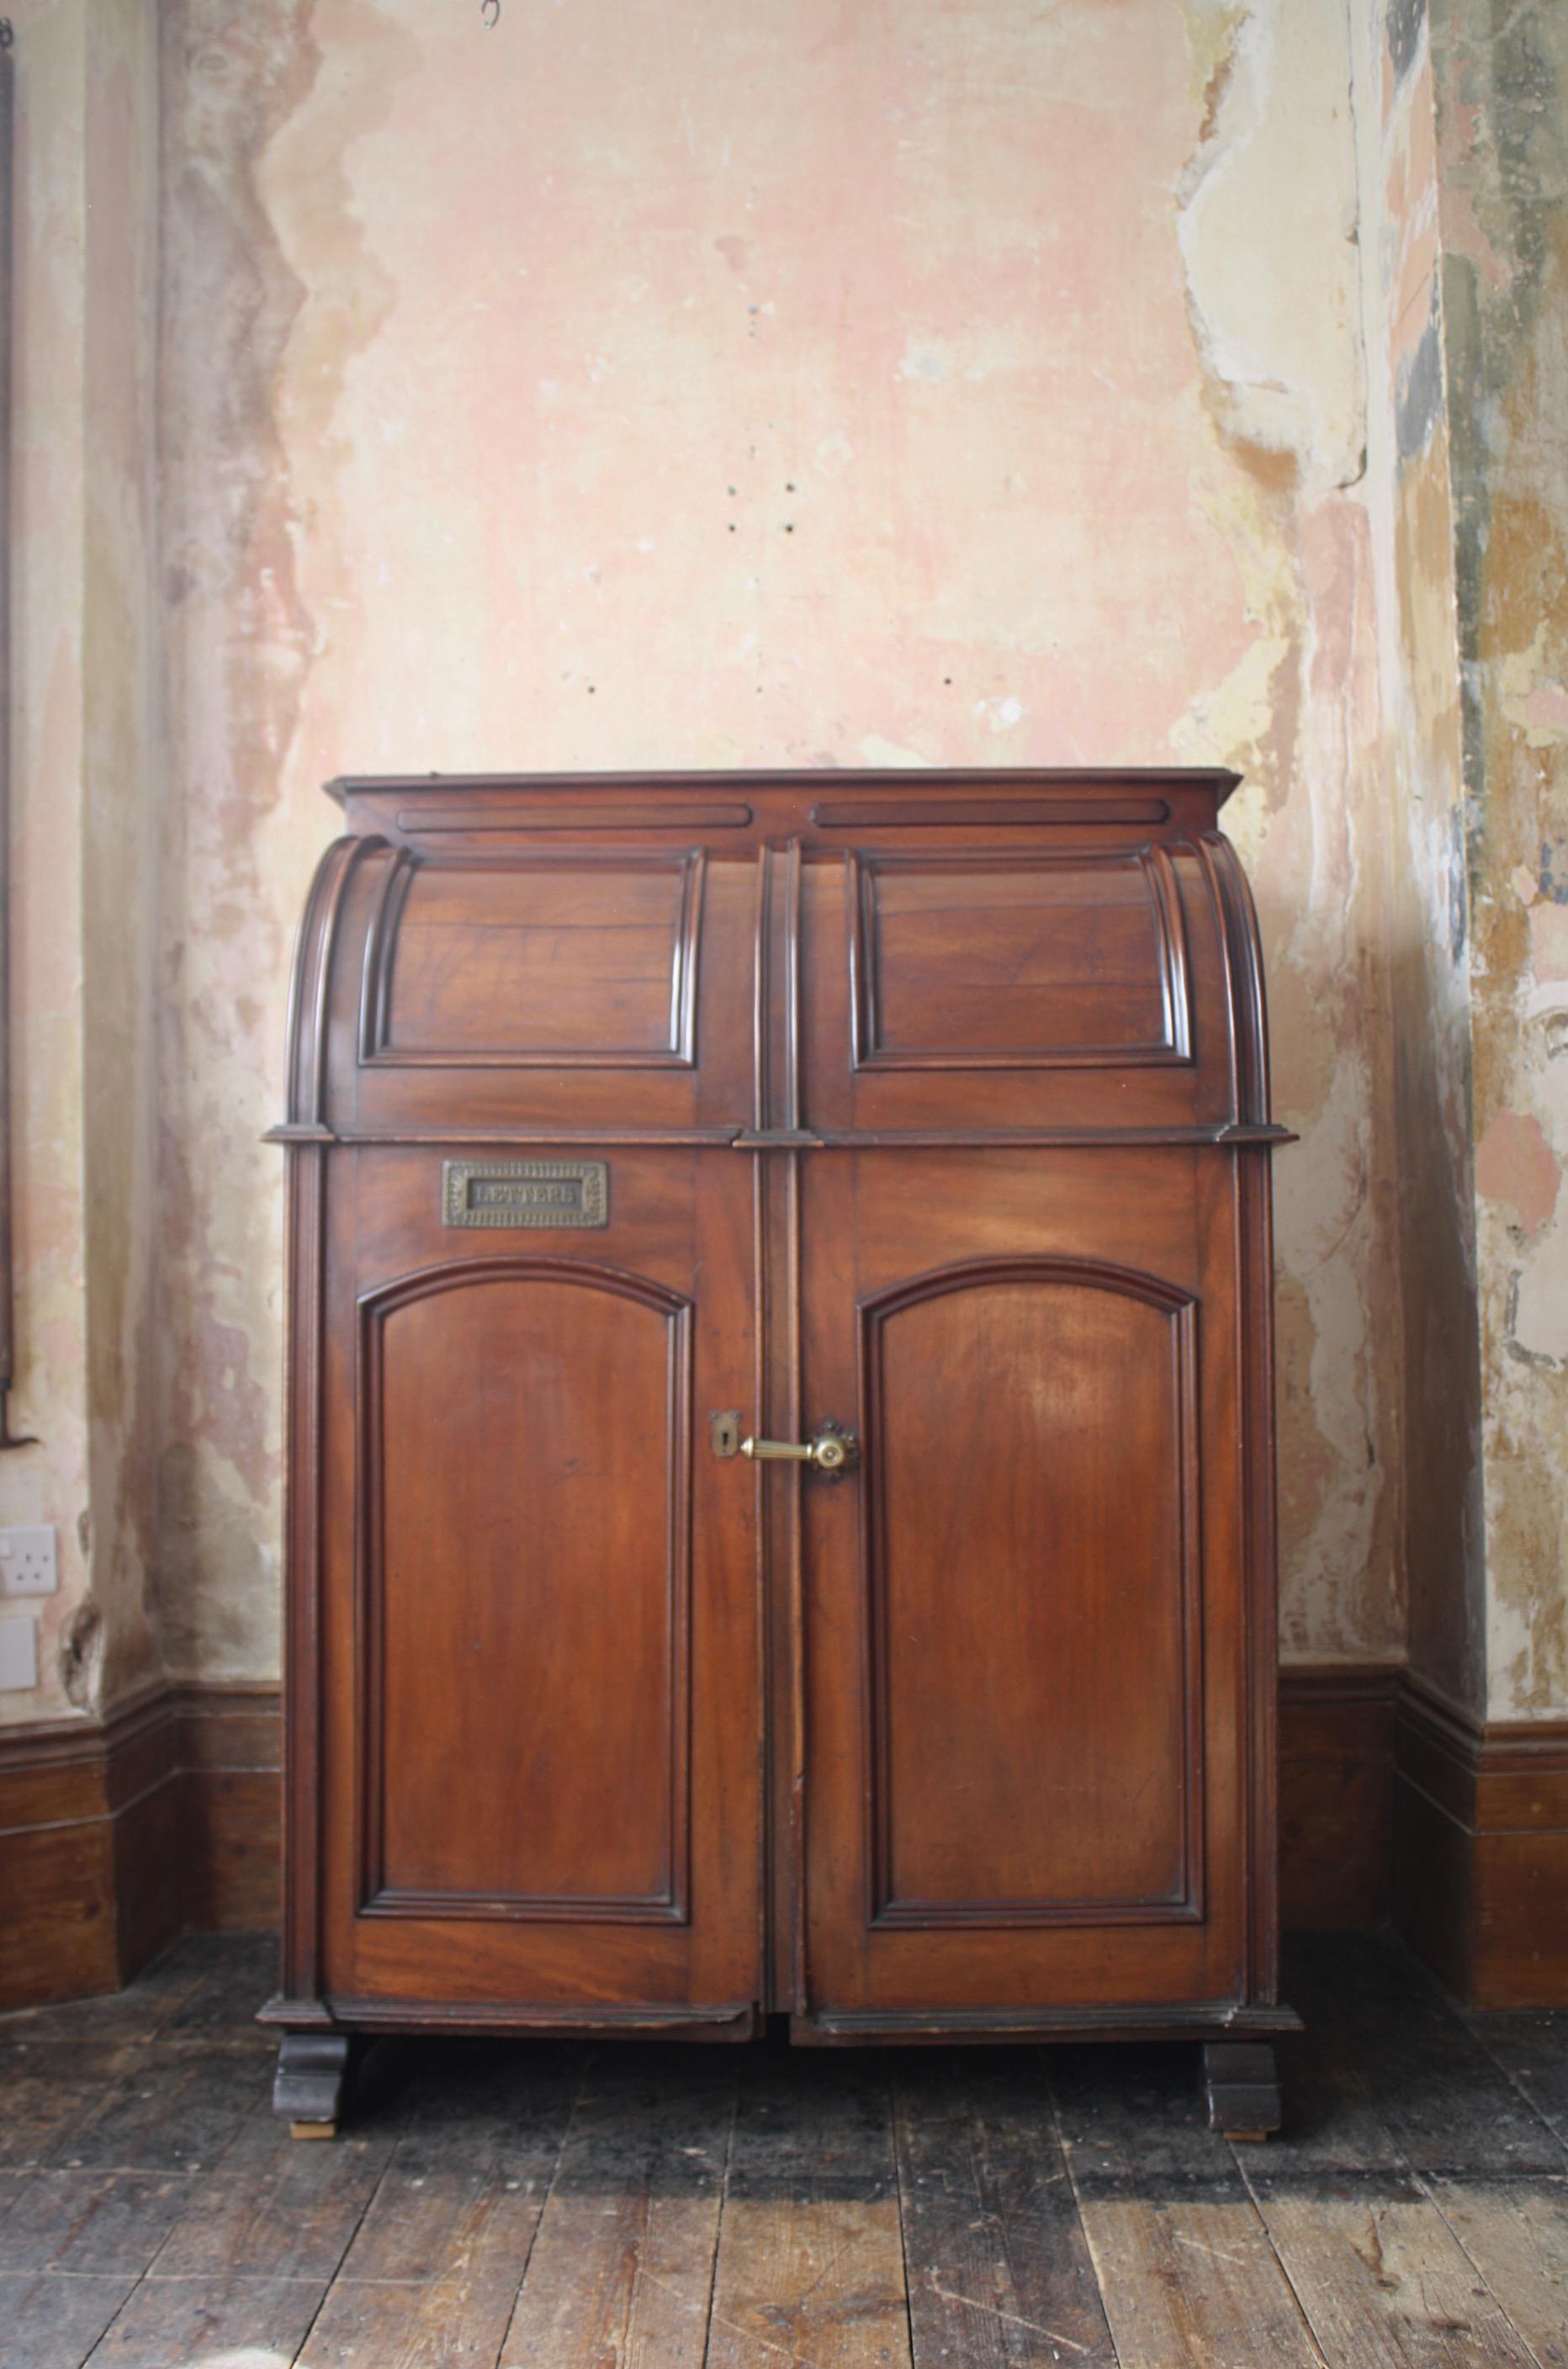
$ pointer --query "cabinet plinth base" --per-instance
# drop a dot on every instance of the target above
(1242, 2087)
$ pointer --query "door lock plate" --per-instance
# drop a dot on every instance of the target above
(724, 1431)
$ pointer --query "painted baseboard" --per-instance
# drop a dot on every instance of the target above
(114, 1837)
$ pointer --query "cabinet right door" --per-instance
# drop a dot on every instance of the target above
(1023, 1613)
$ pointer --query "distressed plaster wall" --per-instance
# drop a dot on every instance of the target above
(83, 750)
(1419, 788)
(1274, 306)
(969, 383)
(121, 787)
(785, 384)
(1501, 112)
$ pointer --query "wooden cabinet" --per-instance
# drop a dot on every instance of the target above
(634, 1125)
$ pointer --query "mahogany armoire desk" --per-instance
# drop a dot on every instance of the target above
(781, 1512)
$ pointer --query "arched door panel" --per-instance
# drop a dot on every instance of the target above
(542, 1685)
(1031, 1566)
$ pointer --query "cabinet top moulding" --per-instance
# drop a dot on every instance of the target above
(447, 810)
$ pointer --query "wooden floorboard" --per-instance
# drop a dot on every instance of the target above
(529, 2205)
(998, 2267)
(811, 2252)
(1381, 2279)
(1382, 2204)
(1184, 2265)
(104, 2222)
(223, 2320)
(621, 2269)
(1516, 2233)
(52, 2321)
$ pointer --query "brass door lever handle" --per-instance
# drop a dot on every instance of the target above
(830, 1449)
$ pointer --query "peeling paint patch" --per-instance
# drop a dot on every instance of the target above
(1002, 715)
(1272, 289)
(81, 1650)
(1515, 1163)
(1458, 876)
(1549, 942)
(1418, 393)
(927, 364)
(876, 750)
(1402, 31)
(1534, 700)
(1525, 1352)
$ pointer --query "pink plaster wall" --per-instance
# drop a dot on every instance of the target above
(786, 385)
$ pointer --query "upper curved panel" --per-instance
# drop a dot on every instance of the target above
(542, 958)
(1102, 986)
(989, 959)
(941, 956)
(520, 993)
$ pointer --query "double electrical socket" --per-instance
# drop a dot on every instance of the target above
(27, 1561)
(29, 1567)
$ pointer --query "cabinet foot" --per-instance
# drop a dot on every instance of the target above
(1243, 2087)
(309, 2085)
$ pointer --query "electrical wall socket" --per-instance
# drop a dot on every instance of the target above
(28, 1562)
(18, 1652)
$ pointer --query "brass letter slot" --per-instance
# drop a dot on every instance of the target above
(525, 1193)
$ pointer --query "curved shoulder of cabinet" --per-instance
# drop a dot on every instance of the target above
(524, 990)
(1088, 979)
(310, 988)
(1244, 961)
(1105, 986)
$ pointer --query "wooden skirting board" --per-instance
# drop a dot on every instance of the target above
(114, 1837)
(1336, 1792)
(1396, 1802)
(1481, 1858)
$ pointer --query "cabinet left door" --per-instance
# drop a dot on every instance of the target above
(537, 1648)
